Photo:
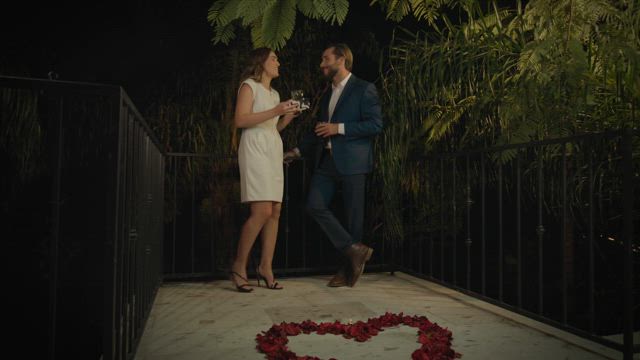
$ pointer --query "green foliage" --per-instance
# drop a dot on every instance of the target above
(327, 10)
(271, 22)
(278, 22)
(494, 76)
(428, 10)
(504, 76)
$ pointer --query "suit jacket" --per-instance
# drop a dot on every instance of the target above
(359, 109)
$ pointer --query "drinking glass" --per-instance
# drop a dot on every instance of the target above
(305, 104)
(298, 96)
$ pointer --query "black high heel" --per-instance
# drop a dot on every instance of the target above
(273, 286)
(242, 287)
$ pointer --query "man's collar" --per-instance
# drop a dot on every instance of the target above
(343, 82)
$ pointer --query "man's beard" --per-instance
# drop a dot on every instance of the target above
(332, 72)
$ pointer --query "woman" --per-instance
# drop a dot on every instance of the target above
(261, 115)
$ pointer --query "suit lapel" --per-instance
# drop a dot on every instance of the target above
(324, 106)
(345, 94)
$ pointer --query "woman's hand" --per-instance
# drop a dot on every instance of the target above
(290, 109)
(292, 115)
(287, 107)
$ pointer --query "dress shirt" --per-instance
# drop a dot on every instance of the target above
(336, 91)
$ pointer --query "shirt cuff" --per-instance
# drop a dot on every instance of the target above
(341, 128)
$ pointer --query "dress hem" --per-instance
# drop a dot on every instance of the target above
(250, 201)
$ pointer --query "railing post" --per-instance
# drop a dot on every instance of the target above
(286, 216)
(563, 247)
(442, 218)
(422, 233)
(112, 246)
(58, 147)
(500, 238)
(303, 222)
(192, 160)
(540, 231)
(454, 208)
(483, 222)
(468, 241)
(519, 228)
(431, 221)
(175, 212)
(592, 286)
(627, 214)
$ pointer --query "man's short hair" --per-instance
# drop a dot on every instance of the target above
(342, 50)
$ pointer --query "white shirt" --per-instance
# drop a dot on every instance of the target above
(335, 94)
(336, 91)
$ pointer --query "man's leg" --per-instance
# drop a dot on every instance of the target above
(321, 191)
(353, 187)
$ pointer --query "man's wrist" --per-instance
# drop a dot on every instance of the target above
(296, 151)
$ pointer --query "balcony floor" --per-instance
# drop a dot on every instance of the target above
(213, 321)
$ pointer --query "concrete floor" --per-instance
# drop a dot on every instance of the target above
(203, 321)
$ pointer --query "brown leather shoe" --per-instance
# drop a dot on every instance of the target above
(340, 278)
(358, 254)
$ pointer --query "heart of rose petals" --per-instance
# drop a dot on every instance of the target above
(435, 341)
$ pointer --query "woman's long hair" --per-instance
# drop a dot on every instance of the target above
(253, 70)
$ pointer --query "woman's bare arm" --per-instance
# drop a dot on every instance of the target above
(244, 117)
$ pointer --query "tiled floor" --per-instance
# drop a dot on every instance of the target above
(213, 321)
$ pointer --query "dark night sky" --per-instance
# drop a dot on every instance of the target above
(138, 44)
(134, 44)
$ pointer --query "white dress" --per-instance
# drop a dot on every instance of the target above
(260, 151)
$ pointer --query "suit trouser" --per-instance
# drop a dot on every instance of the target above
(322, 189)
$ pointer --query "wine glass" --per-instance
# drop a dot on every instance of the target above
(305, 103)
(298, 96)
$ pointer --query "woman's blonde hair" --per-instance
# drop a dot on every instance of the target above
(253, 70)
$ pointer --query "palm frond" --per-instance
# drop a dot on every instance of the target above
(224, 34)
(397, 10)
(441, 119)
(257, 35)
(333, 11)
(250, 11)
(312, 8)
(222, 12)
(278, 22)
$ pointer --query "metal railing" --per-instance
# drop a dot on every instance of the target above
(547, 229)
(544, 229)
(204, 217)
(102, 212)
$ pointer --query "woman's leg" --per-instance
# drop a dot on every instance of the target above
(261, 212)
(269, 237)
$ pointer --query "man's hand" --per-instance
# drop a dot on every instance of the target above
(289, 156)
(326, 129)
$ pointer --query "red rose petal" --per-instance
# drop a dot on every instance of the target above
(435, 341)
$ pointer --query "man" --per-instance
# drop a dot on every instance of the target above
(342, 150)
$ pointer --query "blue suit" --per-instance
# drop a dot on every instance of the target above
(351, 158)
